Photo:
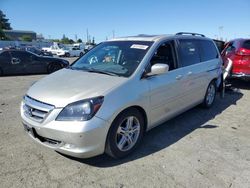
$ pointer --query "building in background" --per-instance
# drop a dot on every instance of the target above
(20, 35)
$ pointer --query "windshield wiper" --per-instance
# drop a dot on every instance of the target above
(94, 71)
(79, 69)
(103, 72)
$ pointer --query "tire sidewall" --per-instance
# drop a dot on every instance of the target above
(111, 147)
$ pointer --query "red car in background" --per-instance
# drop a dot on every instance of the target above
(238, 51)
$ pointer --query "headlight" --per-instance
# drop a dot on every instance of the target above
(81, 110)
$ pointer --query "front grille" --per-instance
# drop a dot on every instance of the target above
(35, 109)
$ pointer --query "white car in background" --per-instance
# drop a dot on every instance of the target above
(55, 50)
(75, 51)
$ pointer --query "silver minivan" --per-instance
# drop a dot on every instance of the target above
(107, 99)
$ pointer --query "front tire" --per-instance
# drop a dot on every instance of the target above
(210, 95)
(125, 133)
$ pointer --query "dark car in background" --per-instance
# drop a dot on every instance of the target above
(38, 51)
(14, 62)
(238, 51)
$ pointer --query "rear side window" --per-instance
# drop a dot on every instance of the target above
(188, 52)
(19, 54)
(208, 50)
(246, 45)
(22, 55)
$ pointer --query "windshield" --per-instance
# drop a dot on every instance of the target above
(65, 48)
(119, 58)
(34, 50)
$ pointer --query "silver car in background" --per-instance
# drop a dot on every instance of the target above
(108, 99)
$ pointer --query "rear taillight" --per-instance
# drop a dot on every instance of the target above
(243, 51)
(237, 58)
(246, 59)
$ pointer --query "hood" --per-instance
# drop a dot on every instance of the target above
(66, 86)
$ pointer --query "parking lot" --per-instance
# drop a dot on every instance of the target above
(200, 148)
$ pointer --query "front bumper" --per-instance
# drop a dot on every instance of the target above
(78, 139)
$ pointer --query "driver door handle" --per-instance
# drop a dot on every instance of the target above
(189, 73)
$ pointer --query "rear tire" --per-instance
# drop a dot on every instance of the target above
(210, 95)
(53, 67)
(125, 133)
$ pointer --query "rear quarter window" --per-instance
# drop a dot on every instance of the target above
(208, 50)
(246, 45)
(188, 52)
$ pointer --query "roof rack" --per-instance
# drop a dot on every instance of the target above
(188, 33)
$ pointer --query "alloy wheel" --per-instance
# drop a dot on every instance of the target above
(127, 133)
(210, 94)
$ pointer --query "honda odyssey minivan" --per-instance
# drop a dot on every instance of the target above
(106, 100)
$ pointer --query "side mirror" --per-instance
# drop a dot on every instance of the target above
(158, 69)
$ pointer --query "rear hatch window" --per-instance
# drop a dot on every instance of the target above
(246, 44)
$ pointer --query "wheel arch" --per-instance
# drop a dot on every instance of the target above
(53, 63)
(217, 82)
(141, 110)
(107, 149)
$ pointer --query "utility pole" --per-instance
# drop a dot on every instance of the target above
(89, 39)
(220, 32)
(113, 31)
(87, 35)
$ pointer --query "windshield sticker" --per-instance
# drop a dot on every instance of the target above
(139, 46)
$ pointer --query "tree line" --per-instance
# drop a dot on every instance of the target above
(4, 24)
